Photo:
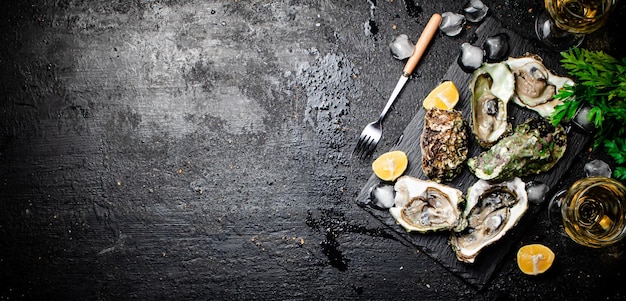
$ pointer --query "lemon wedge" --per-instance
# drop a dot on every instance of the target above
(445, 97)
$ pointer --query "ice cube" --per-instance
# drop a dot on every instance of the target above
(582, 120)
(471, 57)
(475, 11)
(452, 23)
(536, 192)
(496, 47)
(598, 168)
(382, 196)
(401, 47)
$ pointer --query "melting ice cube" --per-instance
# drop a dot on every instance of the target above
(452, 23)
(471, 57)
(401, 47)
(475, 11)
(496, 47)
(598, 168)
(536, 192)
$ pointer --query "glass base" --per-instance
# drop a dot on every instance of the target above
(554, 37)
(554, 212)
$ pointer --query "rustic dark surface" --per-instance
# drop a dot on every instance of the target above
(201, 150)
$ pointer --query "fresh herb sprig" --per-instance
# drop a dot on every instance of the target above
(602, 85)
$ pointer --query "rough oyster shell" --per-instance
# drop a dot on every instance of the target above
(535, 85)
(424, 205)
(492, 86)
(534, 147)
(444, 144)
(491, 211)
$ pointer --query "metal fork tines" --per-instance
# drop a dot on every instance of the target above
(369, 139)
(373, 131)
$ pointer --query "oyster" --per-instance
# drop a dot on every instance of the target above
(443, 144)
(424, 205)
(535, 85)
(534, 147)
(491, 211)
(492, 86)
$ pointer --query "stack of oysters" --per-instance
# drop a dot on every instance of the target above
(496, 202)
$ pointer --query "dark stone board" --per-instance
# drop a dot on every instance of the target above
(436, 244)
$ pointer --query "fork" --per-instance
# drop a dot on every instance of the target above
(373, 131)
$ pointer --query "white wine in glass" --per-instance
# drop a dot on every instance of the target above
(565, 22)
(592, 212)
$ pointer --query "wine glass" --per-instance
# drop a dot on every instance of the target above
(592, 211)
(564, 23)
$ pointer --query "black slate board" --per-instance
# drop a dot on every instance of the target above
(436, 244)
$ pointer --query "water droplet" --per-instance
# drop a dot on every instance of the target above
(412, 9)
(371, 28)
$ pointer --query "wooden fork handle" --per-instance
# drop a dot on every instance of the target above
(421, 45)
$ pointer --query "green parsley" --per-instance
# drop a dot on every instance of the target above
(601, 85)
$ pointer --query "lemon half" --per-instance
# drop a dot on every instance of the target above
(534, 259)
(389, 166)
(445, 97)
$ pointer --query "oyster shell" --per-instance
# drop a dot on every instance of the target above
(534, 147)
(443, 144)
(492, 86)
(491, 211)
(535, 85)
(424, 205)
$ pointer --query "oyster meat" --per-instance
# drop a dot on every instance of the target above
(492, 86)
(491, 211)
(443, 144)
(534, 147)
(535, 85)
(424, 205)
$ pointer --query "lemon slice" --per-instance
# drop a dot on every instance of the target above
(445, 96)
(534, 259)
(389, 166)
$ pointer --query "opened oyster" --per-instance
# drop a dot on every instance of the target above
(535, 85)
(534, 147)
(492, 86)
(443, 144)
(424, 205)
(491, 211)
